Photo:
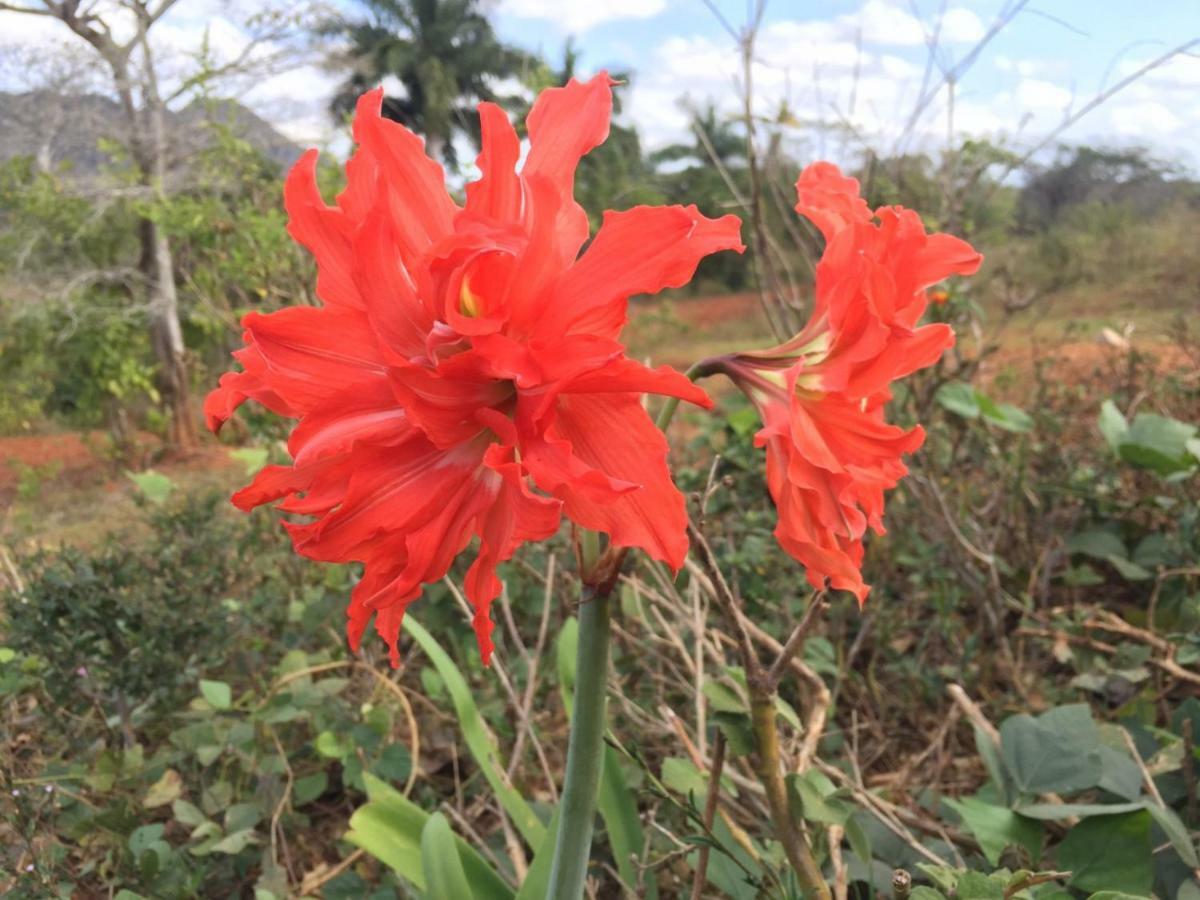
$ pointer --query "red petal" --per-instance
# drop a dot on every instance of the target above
(497, 193)
(415, 185)
(442, 402)
(367, 413)
(639, 251)
(517, 516)
(392, 490)
(614, 435)
(233, 389)
(829, 199)
(624, 375)
(326, 231)
(557, 469)
(944, 255)
(564, 124)
(397, 315)
(310, 354)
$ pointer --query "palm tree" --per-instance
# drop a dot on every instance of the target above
(722, 138)
(444, 52)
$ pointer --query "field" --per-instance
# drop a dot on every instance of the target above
(913, 612)
(893, 742)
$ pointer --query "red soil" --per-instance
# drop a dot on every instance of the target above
(81, 459)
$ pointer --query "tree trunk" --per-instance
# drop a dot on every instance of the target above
(166, 336)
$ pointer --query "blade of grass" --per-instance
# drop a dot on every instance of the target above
(390, 826)
(480, 741)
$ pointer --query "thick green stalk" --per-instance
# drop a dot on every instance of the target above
(585, 752)
(795, 845)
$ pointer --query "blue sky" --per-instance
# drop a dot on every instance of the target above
(1050, 60)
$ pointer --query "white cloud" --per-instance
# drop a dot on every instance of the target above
(25, 30)
(577, 16)
(1138, 120)
(961, 26)
(1036, 95)
(887, 23)
(1177, 72)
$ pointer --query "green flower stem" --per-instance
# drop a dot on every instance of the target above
(585, 752)
(697, 371)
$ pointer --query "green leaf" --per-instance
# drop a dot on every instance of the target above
(479, 739)
(723, 698)
(253, 458)
(154, 486)
(242, 816)
(977, 886)
(1158, 443)
(1120, 774)
(1004, 415)
(206, 834)
(537, 878)
(997, 828)
(738, 731)
(1058, 751)
(1130, 571)
(1110, 853)
(141, 838)
(167, 789)
(682, 775)
(389, 827)
(188, 814)
(1053, 812)
(1112, 425)
(1176, 832)
(812, 797)
(859, 840)
(618, 809)
(333, 746)
(236, 842)
(308, 788)
(959, 397)
(217, 693)
(444, 875)
(1096, 543)
(1012, 418)
(990, 754)
(743, 421)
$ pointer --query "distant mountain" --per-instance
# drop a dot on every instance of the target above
(57, 128)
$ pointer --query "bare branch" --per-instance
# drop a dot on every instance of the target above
(1096, 101)
(796, 640)
(8, 7)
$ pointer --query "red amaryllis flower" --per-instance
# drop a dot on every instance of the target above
(465, 356)
(830, 452)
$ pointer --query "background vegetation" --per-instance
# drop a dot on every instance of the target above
(1014, 713)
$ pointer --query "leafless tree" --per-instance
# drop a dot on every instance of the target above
(119, 35)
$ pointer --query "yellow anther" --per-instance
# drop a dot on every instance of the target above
(469, 302)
